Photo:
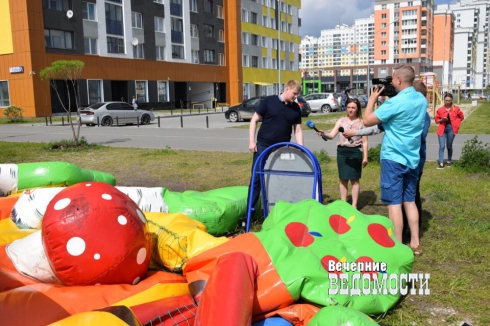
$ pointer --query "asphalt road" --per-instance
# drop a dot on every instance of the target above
(197, 132)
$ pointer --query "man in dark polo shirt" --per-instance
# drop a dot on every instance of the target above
(280, 114)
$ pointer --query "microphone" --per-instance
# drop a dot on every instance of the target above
(311, 125)
(341, 130)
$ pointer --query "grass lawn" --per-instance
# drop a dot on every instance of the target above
(456, 225)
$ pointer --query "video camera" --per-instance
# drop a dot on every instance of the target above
(388, 85)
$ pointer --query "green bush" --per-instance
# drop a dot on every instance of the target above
(322, 156)
(14, 114)
(67, 144)
(374, 154)
(475, 156)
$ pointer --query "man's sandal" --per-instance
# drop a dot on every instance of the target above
(417, 251)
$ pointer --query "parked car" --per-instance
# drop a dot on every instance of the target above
(109, 113)
(304, 105)
(243, 111)
(324, 102)
(360, 98)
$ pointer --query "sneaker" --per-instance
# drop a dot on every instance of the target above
(440, 166)
(448, 164)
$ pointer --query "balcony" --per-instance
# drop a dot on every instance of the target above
(175, 9)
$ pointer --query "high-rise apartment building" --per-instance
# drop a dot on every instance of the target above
(270, 45)
(443, 54)
(166, 53)
(472, 44)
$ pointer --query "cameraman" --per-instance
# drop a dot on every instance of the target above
(403, 120)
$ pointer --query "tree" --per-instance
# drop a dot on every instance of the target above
(68, 71)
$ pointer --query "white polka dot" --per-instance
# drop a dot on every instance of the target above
(97, 284)
(88, 185)
(75, 246)
(136, 280)
(141, 216)
(62, 203)
(97, 256)
(140, 259)
(106, 196)
(122, 220)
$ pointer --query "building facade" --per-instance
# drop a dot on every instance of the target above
(270, 45)
(166, 53)
(443, 58)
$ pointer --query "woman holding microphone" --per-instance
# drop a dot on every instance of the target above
(449, 118)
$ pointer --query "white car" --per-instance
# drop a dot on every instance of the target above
(111, 113)
(324, 102)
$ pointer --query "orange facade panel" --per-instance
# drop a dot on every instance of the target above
(443, 41)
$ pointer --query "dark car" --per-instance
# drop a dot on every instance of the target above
(243, 111)
(304, 105)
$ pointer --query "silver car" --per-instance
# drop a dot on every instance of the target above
(111, 113)
(324, 102)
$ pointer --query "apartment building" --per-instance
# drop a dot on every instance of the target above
(472, 41)
(338, 58)
(443, 54)
(270, 45)
(166, 53)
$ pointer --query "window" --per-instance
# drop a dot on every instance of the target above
(383, 43)
(397, 5)
(4, 93)
(221, 59)
(219, 12)
(58, 39)
(221, 35)
(264, 62)
(383, 16)
(208, 30)
(274, 43)
(177, 51)
(244, 38)
(94, 91)
(141, 91)
(114, 19)
(383, 25)
(410, 3)
(382, 70)
(138, 51)
(246, 90)
(60, 5)
(193, 5)
(255, 61)
(159, 24)
(264, 41)
(253, 17)
(160, 51)
(90, 45)
(283, 47)
(115, 45)
(273, 4)
(158, 1)
(383, 34)
(244, 15)
(254, 39)
(88, 11)
(265, 21)
(383, 61)
(245, 60)
(136, 20)
(208, 6)
(383, 52)
(274, 64)
(162, 91)
(291, 65)
(209, 56)
(194, 32)
(176, 27)
(383, 6)
(195, 56)
(283, 65)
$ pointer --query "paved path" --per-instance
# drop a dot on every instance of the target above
(195, 135)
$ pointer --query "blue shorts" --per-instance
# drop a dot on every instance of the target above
(398, 183)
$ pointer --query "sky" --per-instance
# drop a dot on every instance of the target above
(325, 14)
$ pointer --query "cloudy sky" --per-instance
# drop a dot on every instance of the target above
(321, 14)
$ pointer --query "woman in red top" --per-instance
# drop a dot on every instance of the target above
(449, 118)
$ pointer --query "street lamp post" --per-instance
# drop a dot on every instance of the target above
(368, 66)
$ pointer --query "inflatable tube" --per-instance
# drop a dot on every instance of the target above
(219, 210)
(57, 174)
(168, 311)
(114, 316)
(6, 205)
(9, 232)
(237, 271)
(296, 314)
(273, 321)
(338, 315)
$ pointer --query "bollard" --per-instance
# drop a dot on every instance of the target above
(50, 120)
(117, 121)
(138, 121)
(98, 122)
(181, 122)
(171, 111)
(62, 120)
(46, 121)
(207, 122)
(181, 110)
(158, 121)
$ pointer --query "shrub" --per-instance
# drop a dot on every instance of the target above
(322, 156)
(475, 156)
(374, 154)
(66, 144)
(14, 114)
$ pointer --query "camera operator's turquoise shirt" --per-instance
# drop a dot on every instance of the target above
(403, 119)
